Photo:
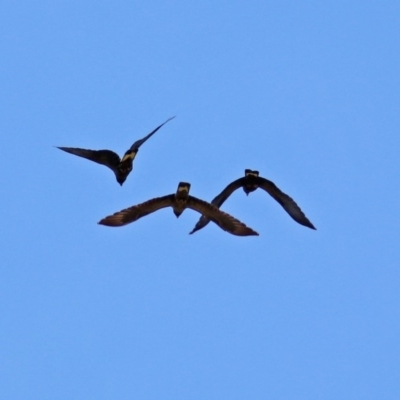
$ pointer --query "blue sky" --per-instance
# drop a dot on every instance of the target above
(308, 93)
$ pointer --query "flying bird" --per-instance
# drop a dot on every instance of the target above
(250, 182)
(179, 201)
(120, 167)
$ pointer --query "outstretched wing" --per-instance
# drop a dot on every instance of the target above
(104, 157)
(223, 220)
(218, 201)
(133, 213)
(138, 143)
(285, 201)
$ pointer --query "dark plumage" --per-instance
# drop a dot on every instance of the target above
(179, 201)
(250, 182)
(120, 167)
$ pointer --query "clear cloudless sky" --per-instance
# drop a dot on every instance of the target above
(306, 92)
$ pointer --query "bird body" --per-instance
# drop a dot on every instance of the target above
(179, 202)
(121, 167)
(250, 182)
(181, 198)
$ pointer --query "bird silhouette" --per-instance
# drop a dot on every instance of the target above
(179, 202)
(120, 167)
(250, 182)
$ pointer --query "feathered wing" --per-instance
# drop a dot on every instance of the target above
(223, 220)
(104, 157)
(218, 201)
(285, 201)
(133, 213)
(138, 143)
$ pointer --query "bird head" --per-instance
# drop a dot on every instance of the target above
(250, 182)
(249, 172)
